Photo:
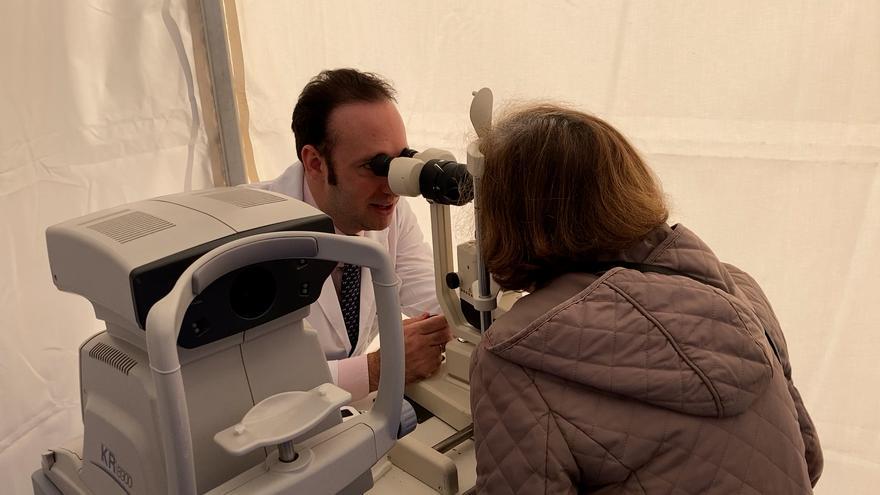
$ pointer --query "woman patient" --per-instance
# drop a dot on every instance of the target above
(640, 362)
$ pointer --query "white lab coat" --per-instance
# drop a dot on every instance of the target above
(413, 262)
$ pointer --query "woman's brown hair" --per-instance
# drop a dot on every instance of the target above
(560, 188)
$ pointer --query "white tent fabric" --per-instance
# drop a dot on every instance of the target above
(762, 119)
(99, 108)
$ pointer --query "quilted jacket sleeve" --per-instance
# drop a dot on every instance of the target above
(519, 447)
(762, 308)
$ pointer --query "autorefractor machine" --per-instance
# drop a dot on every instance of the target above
(206, 380)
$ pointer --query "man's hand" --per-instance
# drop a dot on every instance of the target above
(425, 338)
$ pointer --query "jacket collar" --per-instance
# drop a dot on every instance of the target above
(679, 249)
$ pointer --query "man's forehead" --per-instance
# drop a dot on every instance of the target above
(355, 125)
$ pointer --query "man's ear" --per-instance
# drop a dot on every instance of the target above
(313, 162)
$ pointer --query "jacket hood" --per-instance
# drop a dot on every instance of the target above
(672, 341)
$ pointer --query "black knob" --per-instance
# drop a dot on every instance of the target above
(452, 280)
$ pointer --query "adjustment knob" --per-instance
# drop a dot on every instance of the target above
(452, 280)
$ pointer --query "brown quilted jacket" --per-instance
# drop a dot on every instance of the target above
(643, 383)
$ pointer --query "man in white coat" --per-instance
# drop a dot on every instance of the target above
(342, 119)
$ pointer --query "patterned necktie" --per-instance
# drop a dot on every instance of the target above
(350, 301)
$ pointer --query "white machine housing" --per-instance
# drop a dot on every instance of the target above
(230, 352)
(124, 259)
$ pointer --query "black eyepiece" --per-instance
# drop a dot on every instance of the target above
(446, 182)
(380, 163)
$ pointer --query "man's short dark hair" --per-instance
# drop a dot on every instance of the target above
(324, 93)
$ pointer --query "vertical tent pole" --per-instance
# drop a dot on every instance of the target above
(231, 114)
